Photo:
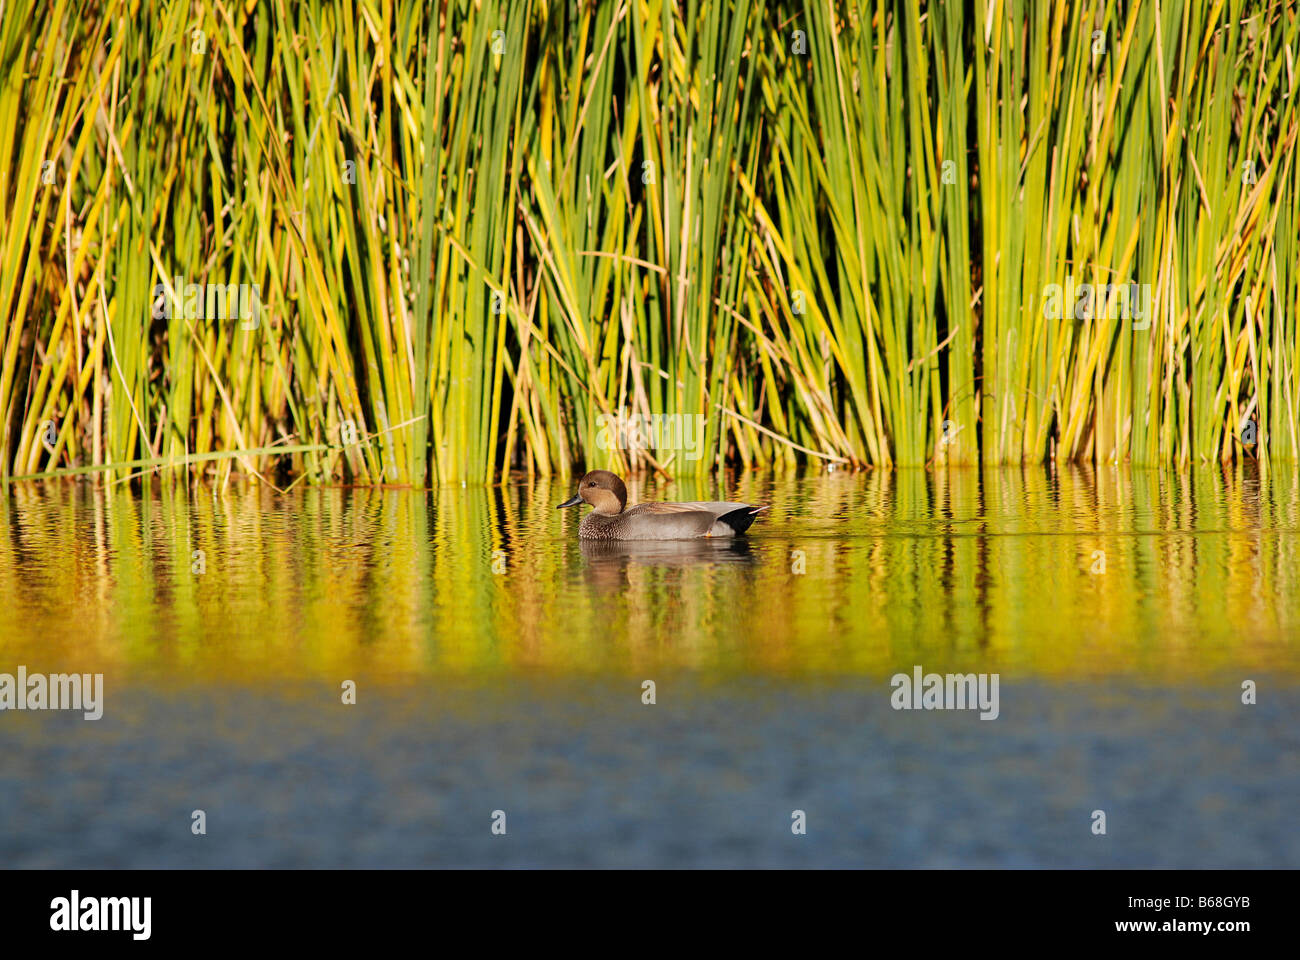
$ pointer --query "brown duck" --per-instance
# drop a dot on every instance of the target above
(613, 519)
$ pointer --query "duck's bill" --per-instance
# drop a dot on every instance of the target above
(573, 501)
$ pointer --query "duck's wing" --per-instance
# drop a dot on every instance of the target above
(664, 521)
(715, 507)
(724, 518)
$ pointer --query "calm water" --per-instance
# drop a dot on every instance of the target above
(499, 665)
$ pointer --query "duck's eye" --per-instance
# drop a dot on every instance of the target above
(592, 484)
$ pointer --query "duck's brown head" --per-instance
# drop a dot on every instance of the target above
(603, 490)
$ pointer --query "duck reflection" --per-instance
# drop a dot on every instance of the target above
(609, 562)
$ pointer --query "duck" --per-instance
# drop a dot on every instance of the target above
(612, 519)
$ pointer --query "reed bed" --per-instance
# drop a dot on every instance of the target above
(477, 233)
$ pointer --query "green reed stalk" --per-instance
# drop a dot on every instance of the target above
(481, 232)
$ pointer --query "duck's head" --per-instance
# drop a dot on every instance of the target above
(603, 490)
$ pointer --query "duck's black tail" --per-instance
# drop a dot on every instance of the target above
(742, 519)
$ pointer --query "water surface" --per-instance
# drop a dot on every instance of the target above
(499, 664)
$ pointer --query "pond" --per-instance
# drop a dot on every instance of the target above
(383, 677)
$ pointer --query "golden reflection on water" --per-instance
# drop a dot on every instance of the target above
(994, 570)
